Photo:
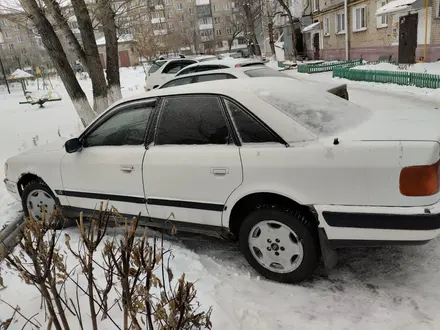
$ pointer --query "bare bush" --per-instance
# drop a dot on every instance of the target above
(127, 265)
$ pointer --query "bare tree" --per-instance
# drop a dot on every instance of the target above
(250, 12)
(107, 17)
(92, 55)
(292, 22)
(55, 50)
(236, 28)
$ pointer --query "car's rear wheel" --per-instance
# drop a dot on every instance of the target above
(37, 199)
(282, 245)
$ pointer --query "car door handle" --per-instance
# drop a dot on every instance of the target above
(127, 168)
(219, 171)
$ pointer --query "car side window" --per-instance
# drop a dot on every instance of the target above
(209, 67)
(214, 76)
(192, 120)
(249, 129)
(172, 67)
(178, 82)
(127, 127)
(187, 70)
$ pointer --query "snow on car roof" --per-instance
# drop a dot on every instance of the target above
(322, 113)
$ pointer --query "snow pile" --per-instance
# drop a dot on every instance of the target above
(432, 68)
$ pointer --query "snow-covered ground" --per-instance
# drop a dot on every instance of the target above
(432, 68)
(382, 288)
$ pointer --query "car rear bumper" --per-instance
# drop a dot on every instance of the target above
(12, 188)
(347, 226)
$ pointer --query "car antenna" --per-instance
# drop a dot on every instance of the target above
(335, 141)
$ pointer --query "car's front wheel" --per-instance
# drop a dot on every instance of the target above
(37, 199)
(282, 245)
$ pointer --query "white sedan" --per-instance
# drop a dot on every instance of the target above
(289, 171)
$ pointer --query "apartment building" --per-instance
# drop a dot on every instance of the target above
(20, 46)
(375, 28)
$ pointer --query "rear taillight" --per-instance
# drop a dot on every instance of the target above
(420, 180)
(237, 65)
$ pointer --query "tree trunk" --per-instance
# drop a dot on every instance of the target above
(230, 42)
(59, 59)
(292, 27)
(271, 39)
(100, 101)
(55, 10)
(107, 18)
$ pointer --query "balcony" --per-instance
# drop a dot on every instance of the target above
(203, 2)
(205, 26)
(207, 38)
(203, 11)
(160, 32)
(158, 20)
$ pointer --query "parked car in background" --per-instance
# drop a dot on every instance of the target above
(206, 73)
(219, 64)
(165, 69)
(289, 171)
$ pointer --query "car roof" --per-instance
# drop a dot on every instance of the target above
(239, 72)
(226, 87)
(228, 62)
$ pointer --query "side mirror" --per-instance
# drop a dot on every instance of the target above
(73, 145)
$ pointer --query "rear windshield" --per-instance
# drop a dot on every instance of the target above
(155, 66)
(250, 64)
(322, 113)
(265, 72)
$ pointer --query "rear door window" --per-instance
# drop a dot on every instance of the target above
(214, 76)
(172, 67)
(155, 66)
(178, 82)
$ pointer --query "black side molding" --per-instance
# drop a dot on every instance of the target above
(142, 200)
(427, 221)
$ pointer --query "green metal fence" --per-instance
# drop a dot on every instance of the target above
(405, 78)
(324, 67)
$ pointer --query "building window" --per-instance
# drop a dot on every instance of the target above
(381, 21)
(19, 39)
(229, 31)
(74, 25)
(326, 26)
(359, 21)
(2, 22)
(181, 18)
(24, 51)
(219, 44)
(226, 6)
(218, 32)
(171, 26)
(179, 6)
(190, 10)
(315, 5)
(340, 23)
(7, 35)
(167, 2)
(215, 7)
(242, 41)
(216, 20)
(11, 47)
(204, 20)
(16, 27)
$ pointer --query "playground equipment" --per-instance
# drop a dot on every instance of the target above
(50, 96)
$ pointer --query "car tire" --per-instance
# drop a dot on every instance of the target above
(282, 245)
(38, 195)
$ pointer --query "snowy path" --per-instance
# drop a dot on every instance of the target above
(383, 288)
